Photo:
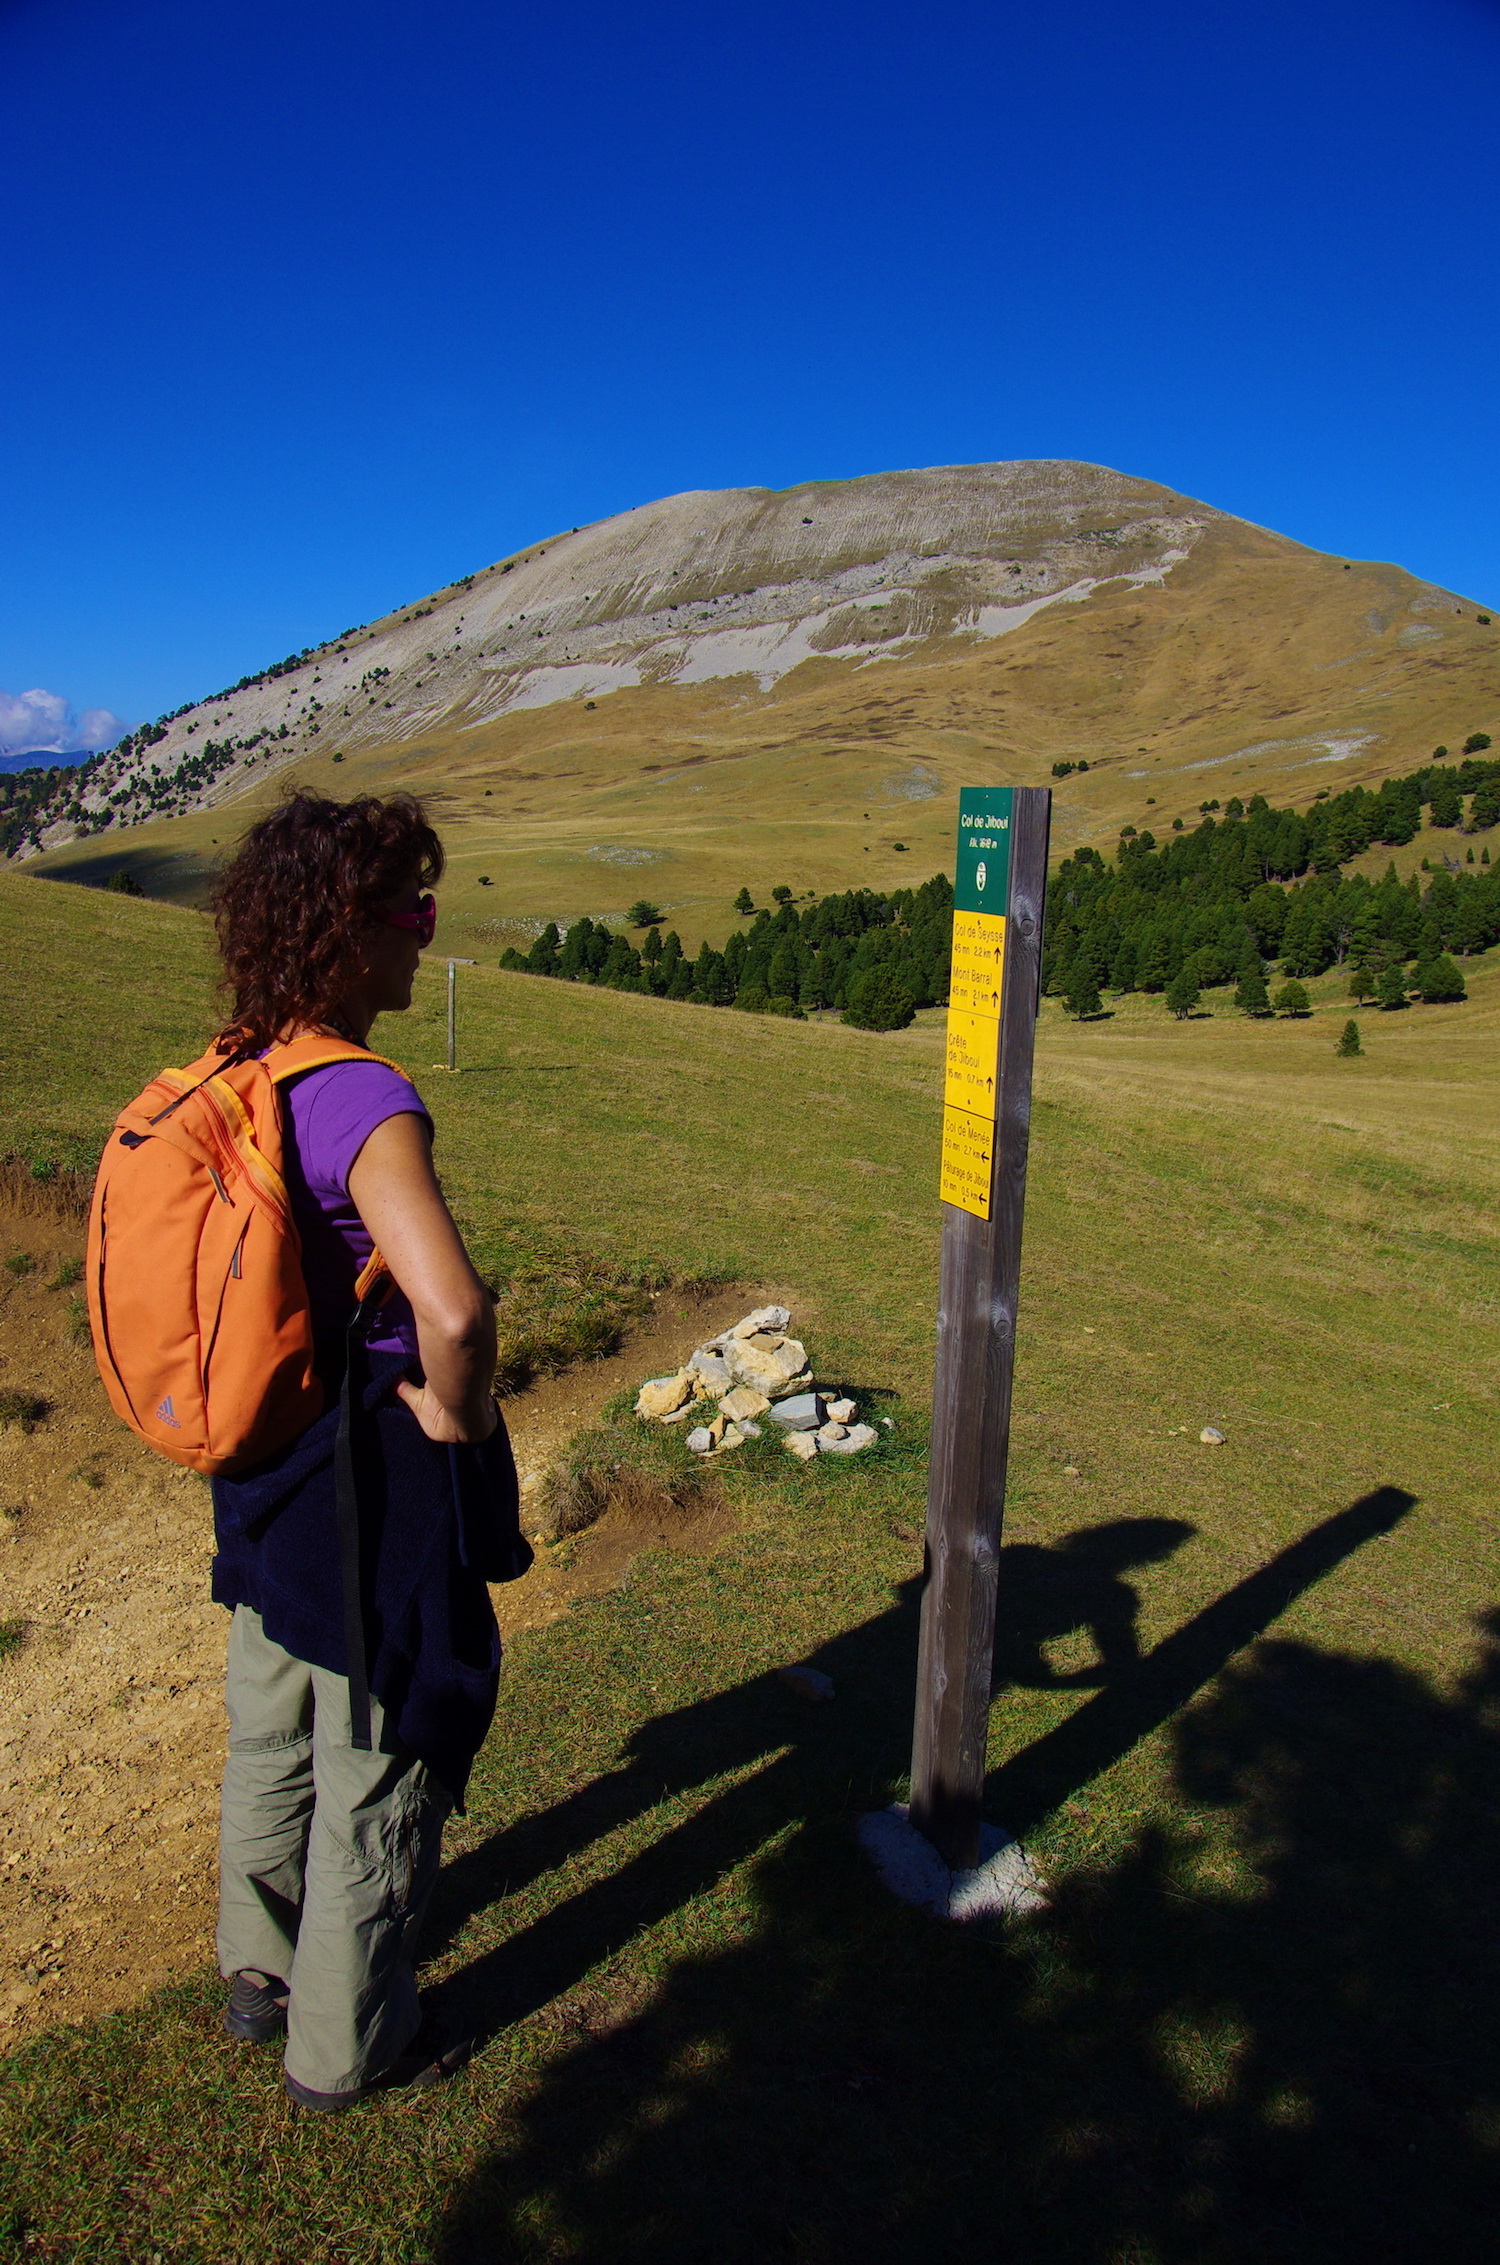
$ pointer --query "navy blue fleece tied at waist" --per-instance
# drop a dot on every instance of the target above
(436, 1523)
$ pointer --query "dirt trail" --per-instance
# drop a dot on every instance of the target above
(112, 1655)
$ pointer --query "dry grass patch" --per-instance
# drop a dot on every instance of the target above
(603, 1470)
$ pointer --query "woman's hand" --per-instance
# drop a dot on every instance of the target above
(448, 1426)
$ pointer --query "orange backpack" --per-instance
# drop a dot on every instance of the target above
(202, 1328)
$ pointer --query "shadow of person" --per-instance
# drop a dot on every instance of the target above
(785, 1758)
(1049, 1593)
(1269, 2029)
(787, 1761)
(863, 1740)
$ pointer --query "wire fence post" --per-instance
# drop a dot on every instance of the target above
(453, 965)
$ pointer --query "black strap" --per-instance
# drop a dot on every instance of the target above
(346, 1492)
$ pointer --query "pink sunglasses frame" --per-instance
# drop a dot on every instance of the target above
(422, 922)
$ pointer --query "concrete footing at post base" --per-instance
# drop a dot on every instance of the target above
(1004, 1884)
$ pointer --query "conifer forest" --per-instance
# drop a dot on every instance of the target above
(1221, 903)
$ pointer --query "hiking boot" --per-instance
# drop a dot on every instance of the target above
(256, 2011)
(432, 2055)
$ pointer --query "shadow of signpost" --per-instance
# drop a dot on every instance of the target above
(1264, 2031)
(1032, 1783)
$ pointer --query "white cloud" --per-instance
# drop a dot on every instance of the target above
(96, 728)
(44, 723)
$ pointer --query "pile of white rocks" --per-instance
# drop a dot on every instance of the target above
(747, 1377)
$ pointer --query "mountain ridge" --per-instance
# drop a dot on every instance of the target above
(789, 648)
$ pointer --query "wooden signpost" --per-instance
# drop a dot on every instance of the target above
(999, 897)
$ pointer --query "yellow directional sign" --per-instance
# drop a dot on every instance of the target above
(978, 961)
(971, 1094)
(968, 1147)
(973, 1062)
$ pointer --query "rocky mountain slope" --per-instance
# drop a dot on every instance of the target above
(868, 643)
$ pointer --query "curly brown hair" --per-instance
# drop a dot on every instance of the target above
(292, 903)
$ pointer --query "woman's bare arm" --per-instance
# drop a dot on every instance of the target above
(395, 1191)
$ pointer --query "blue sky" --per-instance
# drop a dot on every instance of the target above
(308, 309)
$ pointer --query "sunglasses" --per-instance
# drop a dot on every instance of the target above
(422, 922)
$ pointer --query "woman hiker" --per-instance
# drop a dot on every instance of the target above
(329, 1847)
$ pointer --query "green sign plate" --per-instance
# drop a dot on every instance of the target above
(982, 880)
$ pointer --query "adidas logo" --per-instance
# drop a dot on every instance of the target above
(167, 1414)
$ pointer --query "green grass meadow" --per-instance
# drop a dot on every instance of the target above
(1246, 1697)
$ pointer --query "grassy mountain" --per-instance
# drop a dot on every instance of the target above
(752, 686)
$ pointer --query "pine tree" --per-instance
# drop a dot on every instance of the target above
(670, 963)
(1361, 983)
(542, 957)
(1250, 993)
(1440, 982)
(783, 975)
(810, 990)
(1349, 1044)
(1153, 963)
(573, 962)
(1182, 992)
(1300, 940)
(621, 965)
(744, 902)
(879, 1000)
(1122, 967)
(1292, 999)
(1081, 998)
(1391, 989)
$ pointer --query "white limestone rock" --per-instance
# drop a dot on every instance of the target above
(764, 1366)
(801, 1444)
(771, 1318)
(743, 1403)
(662, 1394)
(804, 1412)
(711, 1367)
(858, 1436)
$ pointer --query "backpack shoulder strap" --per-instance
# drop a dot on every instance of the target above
(314, 1052)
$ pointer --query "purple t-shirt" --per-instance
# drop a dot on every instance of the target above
(327, 1116)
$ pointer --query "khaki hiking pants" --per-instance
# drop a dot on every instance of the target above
(327, 1858)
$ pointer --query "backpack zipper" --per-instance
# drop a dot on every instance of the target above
(104, 1309)
(234, 1275)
